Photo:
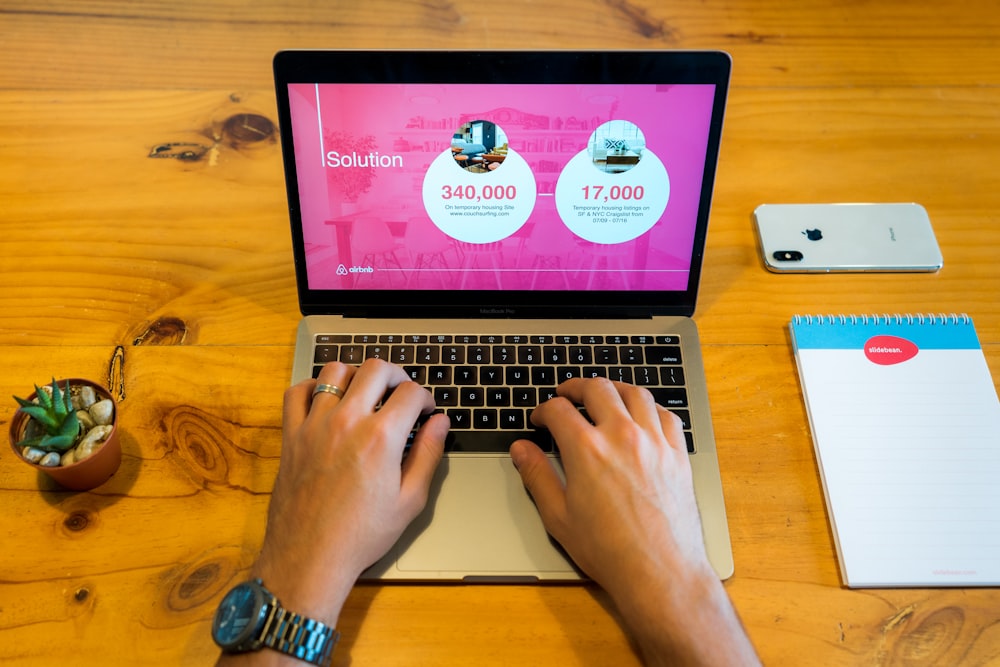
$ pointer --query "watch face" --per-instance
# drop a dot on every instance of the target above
(236, 618)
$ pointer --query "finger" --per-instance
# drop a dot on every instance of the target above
(599, 396)
(562, 419)
(543, 483)
(372, 380)
(673, 428)
(419, 466)
(296, 403)
(407, 396)
(402, 409)
(332, 382)
(640, 405)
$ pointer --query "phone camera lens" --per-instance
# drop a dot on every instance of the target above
(787, 255)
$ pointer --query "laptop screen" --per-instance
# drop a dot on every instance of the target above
(422, 176)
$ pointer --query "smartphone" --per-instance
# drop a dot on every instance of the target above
(823, 238)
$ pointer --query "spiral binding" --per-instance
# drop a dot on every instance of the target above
(919, 319)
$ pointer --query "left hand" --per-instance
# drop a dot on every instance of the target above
(341, 498)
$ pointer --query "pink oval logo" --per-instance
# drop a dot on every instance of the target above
(888, 350)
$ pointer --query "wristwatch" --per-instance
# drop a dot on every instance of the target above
(250, 618)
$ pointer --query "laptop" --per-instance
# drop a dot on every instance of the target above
(496, 222)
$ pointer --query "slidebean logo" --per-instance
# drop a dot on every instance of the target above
(889, 350)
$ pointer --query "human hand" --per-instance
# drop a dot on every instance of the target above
(341, 498)
(628, 493)
(627, 516)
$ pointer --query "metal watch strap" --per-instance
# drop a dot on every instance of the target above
(301, 637)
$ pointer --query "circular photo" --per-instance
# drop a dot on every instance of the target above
(479, 147)
(616, 146)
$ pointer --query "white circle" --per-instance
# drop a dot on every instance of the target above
(479, 208)
(612, 208)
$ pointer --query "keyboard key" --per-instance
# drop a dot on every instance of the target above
(630, 354)
(495, 441)
(472, 396)
(525, 397)
(512, 419)
(670, 397)
(352, 354)
(498, 397)
(517, 375)
(446, 396)
(417, 373)
(325, 354)
(672, 376)
(330, 339)
(460, 419)
(543, 375)
(491, 376)
(437, 375)
(465, 375)
(620, 374)
(564, 373)
(529, 354)
(427, 354)
(504, 354)
(646, 376)
(402, 354)
(605, 354)
(484, 418)
(663, 355)
(554, 354)
(377, 352)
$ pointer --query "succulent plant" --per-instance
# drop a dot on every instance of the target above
(55, 415)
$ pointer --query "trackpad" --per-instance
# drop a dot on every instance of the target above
(481, 522)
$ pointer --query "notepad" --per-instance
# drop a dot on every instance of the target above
(906, 425)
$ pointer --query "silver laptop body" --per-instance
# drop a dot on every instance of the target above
(514, 209)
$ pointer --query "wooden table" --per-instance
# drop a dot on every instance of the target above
(143, 239)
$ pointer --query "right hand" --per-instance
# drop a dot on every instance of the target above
(628, 504)
(627, 516)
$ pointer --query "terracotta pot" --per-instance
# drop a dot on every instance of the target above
(91, 471)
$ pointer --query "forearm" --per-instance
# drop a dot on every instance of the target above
(685, 620)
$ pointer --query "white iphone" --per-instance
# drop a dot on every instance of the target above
(806, 238)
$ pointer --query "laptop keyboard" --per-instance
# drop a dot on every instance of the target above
(489, 384)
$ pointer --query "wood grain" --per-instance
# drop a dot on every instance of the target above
(155, 44)
(172, 280)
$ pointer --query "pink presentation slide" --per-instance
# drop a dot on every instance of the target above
(488, 187)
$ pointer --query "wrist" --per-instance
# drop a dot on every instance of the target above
(251, 622)
(318, 593)
(673, 616)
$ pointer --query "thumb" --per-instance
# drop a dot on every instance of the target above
(543, 483)
(419, 466)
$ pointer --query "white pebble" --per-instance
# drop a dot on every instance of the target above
(50, 460)
(32, 455)
(103, 412)
(90, 442)
(88, 396)
(86, 421)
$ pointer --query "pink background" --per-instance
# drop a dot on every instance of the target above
(545, 124)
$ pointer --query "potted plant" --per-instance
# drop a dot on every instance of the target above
(68, 432)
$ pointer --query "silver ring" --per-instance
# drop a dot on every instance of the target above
(328, 389)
